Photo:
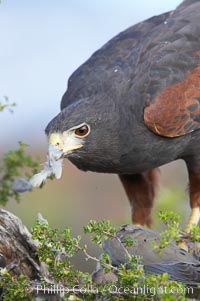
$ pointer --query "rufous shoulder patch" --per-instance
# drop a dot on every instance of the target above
(175, 111)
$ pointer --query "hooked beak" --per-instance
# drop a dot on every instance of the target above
(62, 144)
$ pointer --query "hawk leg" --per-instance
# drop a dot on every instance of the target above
(141, 190)
(194, 190)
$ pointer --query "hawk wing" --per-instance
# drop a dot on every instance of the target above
(175, 111)
(172, 82)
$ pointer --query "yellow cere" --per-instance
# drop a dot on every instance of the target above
(56, 138)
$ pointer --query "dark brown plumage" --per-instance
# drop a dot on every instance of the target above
(135, 105)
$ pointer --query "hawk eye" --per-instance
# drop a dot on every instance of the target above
(82, 131)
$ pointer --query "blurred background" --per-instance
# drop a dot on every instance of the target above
(42, 43)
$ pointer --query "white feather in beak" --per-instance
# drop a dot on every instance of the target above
(52, 166)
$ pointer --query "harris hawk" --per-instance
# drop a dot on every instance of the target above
(134, 105)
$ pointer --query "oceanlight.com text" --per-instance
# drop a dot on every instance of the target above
(114, 290)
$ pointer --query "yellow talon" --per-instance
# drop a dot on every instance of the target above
(183, 245)
(193, 219)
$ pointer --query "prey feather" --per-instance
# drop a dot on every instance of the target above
(53, 166)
